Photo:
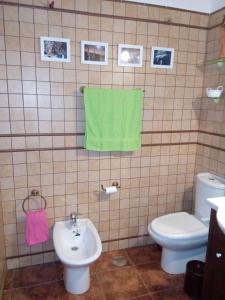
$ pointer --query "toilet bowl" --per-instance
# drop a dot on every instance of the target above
(183, 236)
(77, 247)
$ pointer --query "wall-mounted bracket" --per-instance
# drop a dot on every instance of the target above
(51, 4)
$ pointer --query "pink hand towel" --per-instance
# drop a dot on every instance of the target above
(36, 227)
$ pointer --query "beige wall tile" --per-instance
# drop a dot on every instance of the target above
(44, 97)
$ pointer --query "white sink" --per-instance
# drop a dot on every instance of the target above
(220, 215)
(218, 203)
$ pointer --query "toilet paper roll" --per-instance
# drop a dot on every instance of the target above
(110, 190)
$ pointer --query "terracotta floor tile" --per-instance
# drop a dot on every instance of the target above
(33, 275)
(156, 279)
(146, 254)
(141, 279)
(171, 294)
(45, 291)
(104, 263)
(7, 295)
(122, 283)
(144, 297)
(9, 279)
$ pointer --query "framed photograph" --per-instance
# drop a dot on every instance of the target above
(162, 57)
(130, 55)
(55, 49)
(94, 53)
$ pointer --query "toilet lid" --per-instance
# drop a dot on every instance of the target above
(179, 225)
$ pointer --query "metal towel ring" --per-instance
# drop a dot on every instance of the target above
(33, 193)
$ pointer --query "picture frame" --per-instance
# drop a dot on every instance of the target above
(55, 49)
(162, 57)
(94, 53)
(130, 55)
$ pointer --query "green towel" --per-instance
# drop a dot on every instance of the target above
(113, 119)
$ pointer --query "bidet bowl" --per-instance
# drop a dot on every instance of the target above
(77, 247)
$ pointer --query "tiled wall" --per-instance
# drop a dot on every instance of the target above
(2, 251)
(42, 110)
(213, 115)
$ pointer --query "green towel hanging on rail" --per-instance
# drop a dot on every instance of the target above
(113, 119)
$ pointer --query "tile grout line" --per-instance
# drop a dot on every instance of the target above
(138, 274)
(106, 15)
(32, 285)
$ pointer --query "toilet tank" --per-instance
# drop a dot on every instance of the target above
(207, 186)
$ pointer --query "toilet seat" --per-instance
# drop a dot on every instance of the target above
(179, 226)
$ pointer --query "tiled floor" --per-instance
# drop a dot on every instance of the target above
(141, 279)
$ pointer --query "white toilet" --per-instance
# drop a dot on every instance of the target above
(183, 237)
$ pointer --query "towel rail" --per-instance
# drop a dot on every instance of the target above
(83, 87)
(34, 193)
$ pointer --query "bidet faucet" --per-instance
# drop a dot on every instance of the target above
(73, 217)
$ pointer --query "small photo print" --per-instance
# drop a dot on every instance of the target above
(94, 53)
(55, 49)
(130, 55)
(162, 57)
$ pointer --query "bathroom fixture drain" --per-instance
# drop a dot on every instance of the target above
(119, 261)
(74, 248)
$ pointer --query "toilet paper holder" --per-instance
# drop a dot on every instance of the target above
(115, 183)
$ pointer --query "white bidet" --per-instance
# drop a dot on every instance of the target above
(77, 247)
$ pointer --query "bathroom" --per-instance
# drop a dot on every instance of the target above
(42, 125)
